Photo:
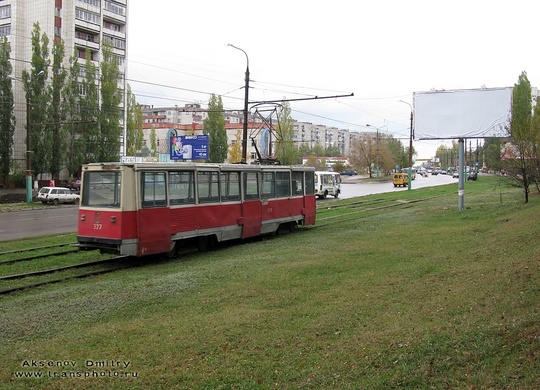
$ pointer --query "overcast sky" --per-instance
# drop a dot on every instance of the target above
(382, 51)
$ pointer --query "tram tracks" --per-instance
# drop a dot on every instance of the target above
(41, 255)
(333, 214)
(45, 267)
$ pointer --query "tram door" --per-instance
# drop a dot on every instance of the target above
(251, 205)
(153, 215)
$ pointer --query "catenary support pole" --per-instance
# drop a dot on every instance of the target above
(461, 191)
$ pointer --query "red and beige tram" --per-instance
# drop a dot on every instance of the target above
(140, 209)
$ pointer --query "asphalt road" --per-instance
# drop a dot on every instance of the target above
(63, 219)
(39, 222)
(351, 189)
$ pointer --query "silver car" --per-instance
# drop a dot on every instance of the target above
(57, 195)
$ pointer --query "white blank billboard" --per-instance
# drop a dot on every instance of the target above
(465, 113)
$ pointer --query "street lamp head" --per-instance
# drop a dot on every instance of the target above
(409, 104)
(242, 50)
(368, 125)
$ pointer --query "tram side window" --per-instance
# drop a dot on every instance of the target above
(208, 187)
(181, 188)
(153, 189)
(268, 185)
(310, 183)
(297, 183)
(251, 185)
(230, 186)
(283, 184)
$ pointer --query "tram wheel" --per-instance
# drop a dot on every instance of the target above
(173, 251)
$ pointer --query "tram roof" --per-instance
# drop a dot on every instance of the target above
(192, 165)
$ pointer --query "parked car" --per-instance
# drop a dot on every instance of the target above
(455, 175)
(55, 195)
(348, 172)
(74, 185)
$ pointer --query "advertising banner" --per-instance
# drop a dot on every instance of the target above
(188, 147)
(464, 113)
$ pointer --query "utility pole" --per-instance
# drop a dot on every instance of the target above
(246, 96)
(411, 136)
(29, 176)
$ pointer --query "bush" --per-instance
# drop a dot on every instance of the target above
(17, 180)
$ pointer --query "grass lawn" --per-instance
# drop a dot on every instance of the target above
(416, 296)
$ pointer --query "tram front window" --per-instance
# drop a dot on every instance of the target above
(101, 189)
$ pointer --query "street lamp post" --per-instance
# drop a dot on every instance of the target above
(28, 154)
(368, 125)
(410, 144)
(246, 95)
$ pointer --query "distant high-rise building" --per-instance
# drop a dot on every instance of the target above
(81, 24)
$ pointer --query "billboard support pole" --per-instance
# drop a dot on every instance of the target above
(461, 191)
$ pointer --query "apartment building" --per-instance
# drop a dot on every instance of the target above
(307, 133)
(81, 24)
(189, 120)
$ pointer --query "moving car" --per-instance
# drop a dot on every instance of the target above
(400, 179)
(55, 195)
(349, 172)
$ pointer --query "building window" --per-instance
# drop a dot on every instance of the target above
(5, 12)
(117, 43)
(120, 60)
(87, 16)
(82, 55)
(91, 2)
(82, 90)
(115, 7)
(112, 26)
(5, 30)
